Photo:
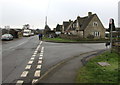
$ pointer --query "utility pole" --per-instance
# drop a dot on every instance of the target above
(46, 20)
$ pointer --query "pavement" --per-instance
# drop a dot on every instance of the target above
(66, 71)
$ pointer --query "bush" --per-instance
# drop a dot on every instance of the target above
(90, 36)
(70, 37)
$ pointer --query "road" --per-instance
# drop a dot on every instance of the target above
(25, 60)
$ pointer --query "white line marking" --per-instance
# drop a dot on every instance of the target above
(33, 55)
(40, 58)
(30, 62)
(34, 81)
(42, 51)
(41, 55)
(40, 61)
(28, 67)
(42, 48)
(32, 58)
(37, 73)
(19, 82)
(38, 66)
(24, 74)
(38, 46)
(40, 42)
(35, 51)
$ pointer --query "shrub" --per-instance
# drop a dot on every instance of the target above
(90, 36)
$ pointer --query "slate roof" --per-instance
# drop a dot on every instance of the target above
(59, 27)
(83, 22)
(66, 24)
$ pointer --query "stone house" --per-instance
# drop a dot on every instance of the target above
(65, 25)
(87, 26)
(58, 28)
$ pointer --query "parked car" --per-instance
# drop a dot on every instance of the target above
(7, 37)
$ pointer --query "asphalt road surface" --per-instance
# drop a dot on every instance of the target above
(25, 60)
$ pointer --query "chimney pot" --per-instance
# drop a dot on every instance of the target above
(89, 14)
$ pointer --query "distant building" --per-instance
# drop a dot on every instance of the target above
(119, 14)
(58, 28)
(65, 25)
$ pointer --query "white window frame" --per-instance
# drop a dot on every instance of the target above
(97, 34)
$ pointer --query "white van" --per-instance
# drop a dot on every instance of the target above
(26, 33)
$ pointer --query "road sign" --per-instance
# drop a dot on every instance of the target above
(111, 21)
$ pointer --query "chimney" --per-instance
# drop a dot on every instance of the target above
(78, 17)
(69, 20)
(89, 14)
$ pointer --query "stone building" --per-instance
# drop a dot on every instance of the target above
(88, 26)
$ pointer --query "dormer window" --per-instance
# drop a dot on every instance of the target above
(95, 24)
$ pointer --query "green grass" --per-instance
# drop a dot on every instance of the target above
(94, 73)
(58, 40)
(68, 40)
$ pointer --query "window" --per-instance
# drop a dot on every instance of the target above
(96, 34)
(95, 24)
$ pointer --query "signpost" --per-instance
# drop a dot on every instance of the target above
(111, 25)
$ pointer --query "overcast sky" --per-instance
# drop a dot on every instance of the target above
(16, 13)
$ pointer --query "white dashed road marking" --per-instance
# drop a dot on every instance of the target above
(42, 48)
(38, 66)
(19, 82)
(40, 61)
(30, 62)
(36, 51)
(28, 67)
(24, 74)
(40, 58)
(40, 42)
(34, 81)
(41, 55)
(41, 51)
(33, 55)
(32, 58)
(37, 73)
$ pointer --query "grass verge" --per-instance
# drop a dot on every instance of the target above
(77, 41)
(94, 73)
(58, 40)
